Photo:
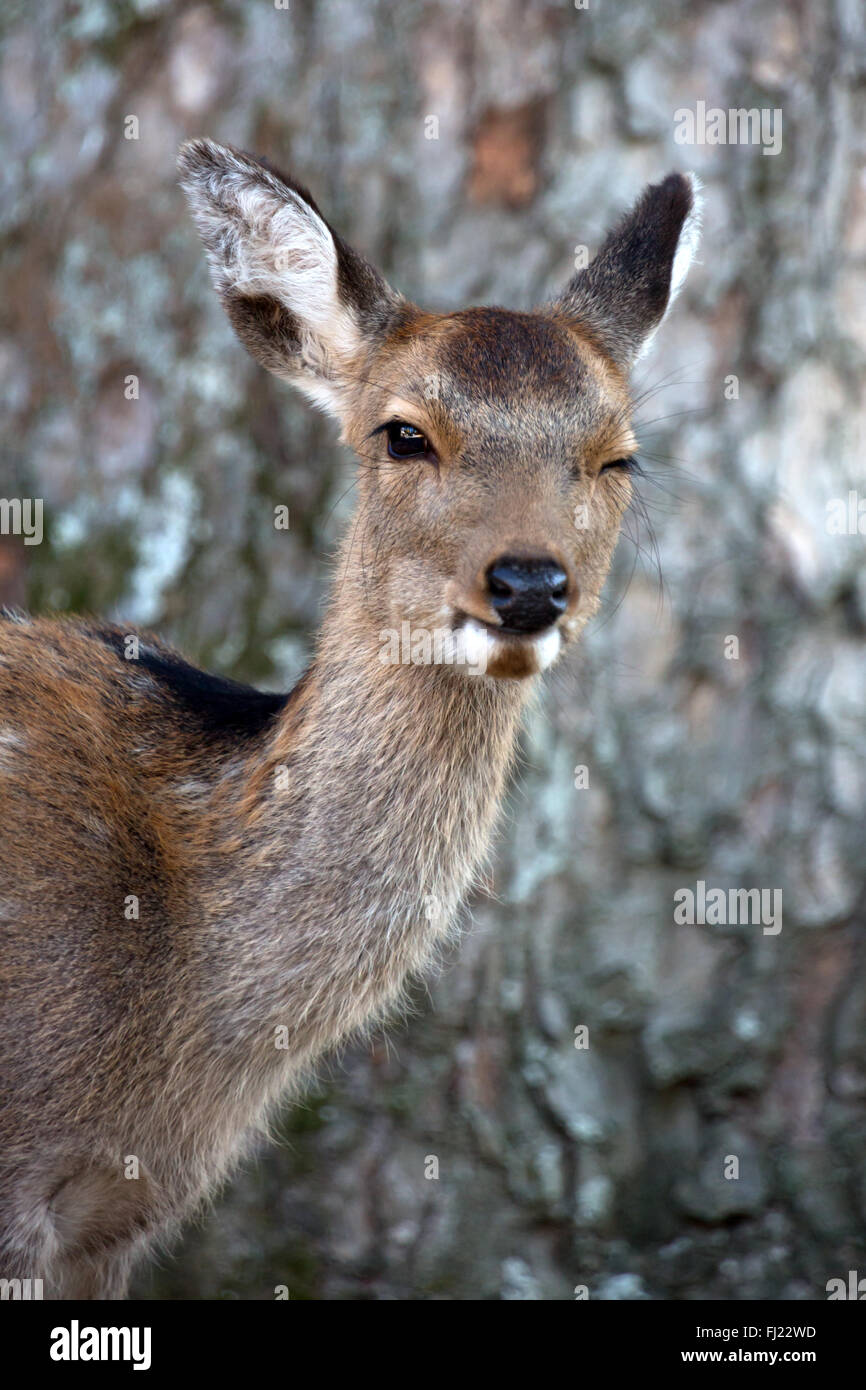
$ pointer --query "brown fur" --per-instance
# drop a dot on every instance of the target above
(283, 853)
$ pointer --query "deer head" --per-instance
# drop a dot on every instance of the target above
(494, 447)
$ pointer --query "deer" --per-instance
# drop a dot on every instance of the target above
(205, 888)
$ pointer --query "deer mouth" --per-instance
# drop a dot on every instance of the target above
(510, 653)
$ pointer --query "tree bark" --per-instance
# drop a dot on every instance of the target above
(708, 1140)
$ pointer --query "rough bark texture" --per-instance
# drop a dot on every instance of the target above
(559, 1166)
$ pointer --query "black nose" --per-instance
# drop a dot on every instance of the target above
(528, 595)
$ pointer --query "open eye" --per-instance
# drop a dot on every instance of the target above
(626, 464)
(404, 440)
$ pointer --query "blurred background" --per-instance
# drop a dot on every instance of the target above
(160, 451)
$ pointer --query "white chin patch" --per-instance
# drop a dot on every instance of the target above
(468, 648)
(480, 649)
(548, 647)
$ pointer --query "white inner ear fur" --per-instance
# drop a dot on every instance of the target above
(287, 252)
(690, 237)
(263, 239)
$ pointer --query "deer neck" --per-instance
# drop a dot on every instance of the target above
(397, 769)
(364, 825)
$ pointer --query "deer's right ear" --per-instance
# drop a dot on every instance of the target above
(625, 292)
(300, 300)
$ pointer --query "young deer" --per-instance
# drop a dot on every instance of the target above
(283, 851)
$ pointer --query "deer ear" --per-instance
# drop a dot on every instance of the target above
(301, 301)
(625, 292)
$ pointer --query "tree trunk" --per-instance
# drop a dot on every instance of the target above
(590, 1095)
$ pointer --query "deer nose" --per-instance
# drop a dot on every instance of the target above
(528, 595)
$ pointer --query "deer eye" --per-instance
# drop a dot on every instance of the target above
(626, 464)
(405, 440)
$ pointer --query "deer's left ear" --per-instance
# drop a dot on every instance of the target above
(625, 292)
(301, 301)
